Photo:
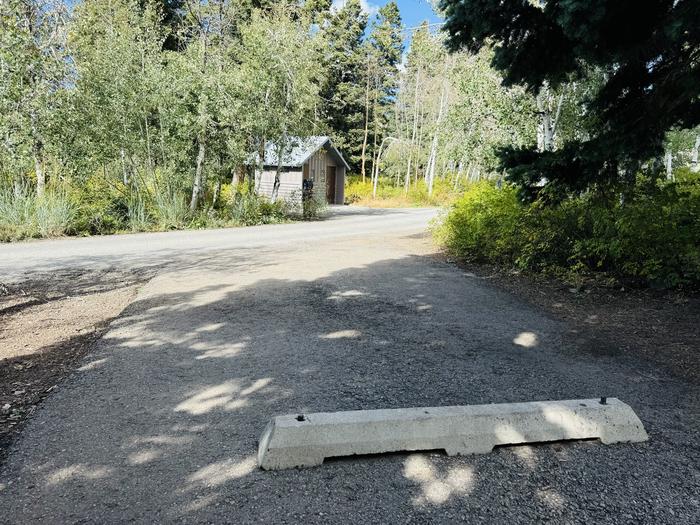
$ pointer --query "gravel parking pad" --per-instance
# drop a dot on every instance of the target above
(161, 422)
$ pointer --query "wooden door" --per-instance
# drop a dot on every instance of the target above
(330, 184)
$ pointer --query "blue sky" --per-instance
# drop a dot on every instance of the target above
(413, 12)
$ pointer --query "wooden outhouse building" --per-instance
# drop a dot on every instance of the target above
(309, 158)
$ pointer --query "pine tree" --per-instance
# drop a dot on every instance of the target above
(172, 17)
(383, 55)
(648, 52)
(343, 92)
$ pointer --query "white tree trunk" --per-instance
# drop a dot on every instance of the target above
(407, 181)
(148, 145)
(366, 134)
(547, 127)
(433, 147)
(375, 166)
(37, 152)
(694, 166)
(125, 172)
(458, 174)
(281, 149)
(217, 191)
(669, 165)
(375, 171)
(39, 169)
(198, 182)
(430, 168)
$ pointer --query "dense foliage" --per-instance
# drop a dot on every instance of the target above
(651, 238)
(648, 54)
(138, 114)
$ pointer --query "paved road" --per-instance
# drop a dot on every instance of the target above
(161, 422)
(158, 249)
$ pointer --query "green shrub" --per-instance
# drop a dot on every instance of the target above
(102, 206)
(314, 208)
(483, 224)
(548, 235)
(656, 237)
(250, 209)
(309, 210)
(650, 237)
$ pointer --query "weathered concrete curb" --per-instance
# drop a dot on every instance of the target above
(306, 440)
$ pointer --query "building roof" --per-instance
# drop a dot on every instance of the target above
(299, 150)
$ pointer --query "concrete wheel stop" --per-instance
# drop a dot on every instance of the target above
(305, 440)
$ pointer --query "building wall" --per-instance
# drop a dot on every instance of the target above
(290, 182)
(318, 163)
(317, 168)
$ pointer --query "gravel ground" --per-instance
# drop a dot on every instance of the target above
(160, 423)
(48, 323)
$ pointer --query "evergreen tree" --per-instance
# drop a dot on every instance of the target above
(648, 52)
(316, 10)
(387, 44)
(381, 83)
(172, 16)
(343, 92)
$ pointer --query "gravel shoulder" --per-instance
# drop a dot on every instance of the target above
(160, 421)
(48, 324)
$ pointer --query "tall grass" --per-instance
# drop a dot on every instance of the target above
(17, 213)
(170, 207)
(137, 213)
(23, 214)
(99, 206)
(55, 213)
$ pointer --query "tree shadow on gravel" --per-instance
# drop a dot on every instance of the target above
(32, 363)
(42, 288)
(163, 423)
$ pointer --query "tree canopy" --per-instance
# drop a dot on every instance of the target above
(342, 93)
(648, 57)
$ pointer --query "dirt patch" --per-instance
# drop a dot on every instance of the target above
(47, 325)
(660, 326)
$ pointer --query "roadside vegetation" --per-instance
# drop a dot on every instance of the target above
(128, 115)
(649, 238)
(101, 209)
(388, 195)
